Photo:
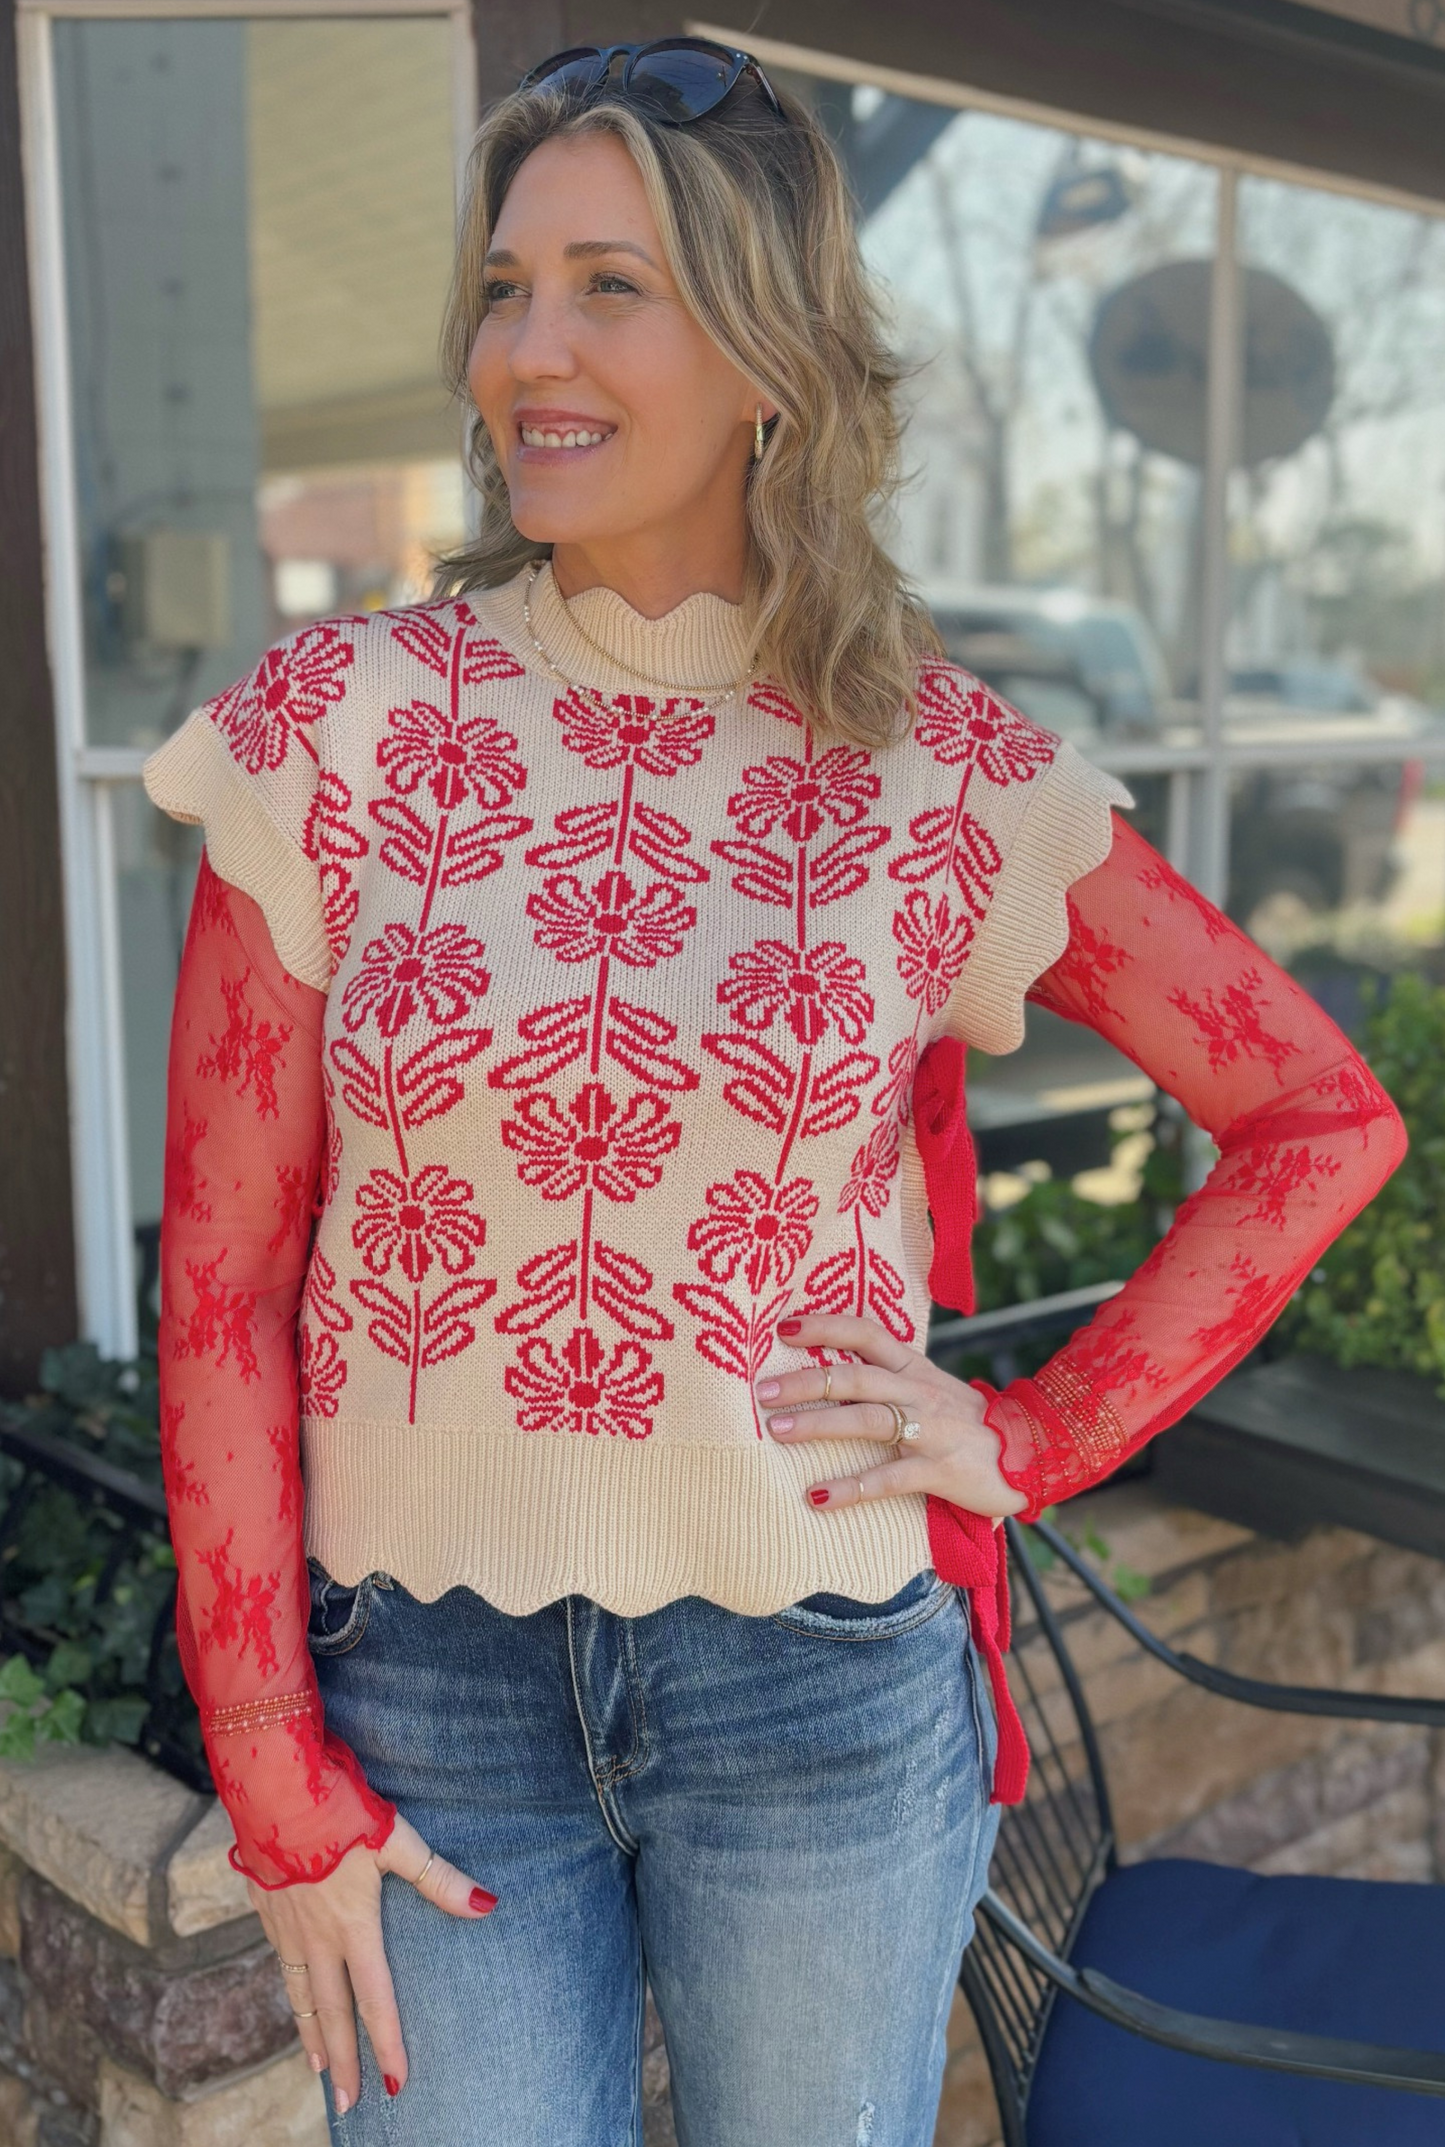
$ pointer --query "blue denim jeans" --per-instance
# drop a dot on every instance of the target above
(779, 1822)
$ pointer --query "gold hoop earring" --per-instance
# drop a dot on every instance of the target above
(759, 442)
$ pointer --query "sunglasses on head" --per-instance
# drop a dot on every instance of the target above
(675, 79)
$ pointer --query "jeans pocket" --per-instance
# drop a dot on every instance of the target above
(339, 1611)
(844, 1617)
(981, 1699)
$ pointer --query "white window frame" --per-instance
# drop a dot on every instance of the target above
(89, 774)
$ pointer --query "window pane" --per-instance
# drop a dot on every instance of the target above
(1339, 526)
(1337, 630)
(1044, 290)
(1050, 295)
(254, 295)
(1338, 870)
(259, 222)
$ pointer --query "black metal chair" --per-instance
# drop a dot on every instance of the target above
(1100, 1991)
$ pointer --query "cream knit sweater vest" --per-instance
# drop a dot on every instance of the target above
(624, 1005)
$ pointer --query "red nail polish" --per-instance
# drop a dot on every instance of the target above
(393, 2085)
(789, 1326)
(480, 1900)
(819, 1494)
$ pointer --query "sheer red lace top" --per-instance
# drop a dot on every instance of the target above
(1305, 1133)
(244, 1148)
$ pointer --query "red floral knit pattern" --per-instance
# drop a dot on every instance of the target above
(611, 906)
(799, 1015)
(819, 905)
(411, 1011)
(1306, 1137)
(243, 1171)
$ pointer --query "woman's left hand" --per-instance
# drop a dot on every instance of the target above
(954, 1455)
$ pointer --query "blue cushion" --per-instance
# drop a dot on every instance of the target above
(1342, 1957)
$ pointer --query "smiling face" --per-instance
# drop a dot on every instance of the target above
(622, 430)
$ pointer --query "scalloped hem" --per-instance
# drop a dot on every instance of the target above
(524, 1519)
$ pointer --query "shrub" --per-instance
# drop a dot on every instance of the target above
(1378, 1294)
(1055, 1238)
(80, 1584)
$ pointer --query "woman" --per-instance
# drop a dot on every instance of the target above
(591, 954)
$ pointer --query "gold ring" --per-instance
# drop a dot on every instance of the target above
(426, 1867)
(827, 1381)
(292, 1968)
(311, 2015)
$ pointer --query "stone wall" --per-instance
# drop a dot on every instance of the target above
(140, 2005)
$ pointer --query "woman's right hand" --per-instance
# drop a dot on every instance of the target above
(334, 1926)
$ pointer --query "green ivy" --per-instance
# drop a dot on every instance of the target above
(1054, 1239)
(1125, 1580)
(110, 1409)
(1378, 1294)
(34, 1715)
(89, 1683)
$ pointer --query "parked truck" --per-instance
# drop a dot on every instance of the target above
(1306, 837)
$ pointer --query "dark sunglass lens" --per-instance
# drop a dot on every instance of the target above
(679, 84)
(569, 71)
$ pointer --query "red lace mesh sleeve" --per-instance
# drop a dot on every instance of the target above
(1306, 1137)
(245, 1131)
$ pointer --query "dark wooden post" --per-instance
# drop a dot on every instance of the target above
(512, 35)
(37, 1240)
(1268, 77)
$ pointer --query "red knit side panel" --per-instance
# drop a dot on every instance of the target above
(950, 1170)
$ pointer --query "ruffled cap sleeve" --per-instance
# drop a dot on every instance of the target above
(1062, 830)
(245, 766)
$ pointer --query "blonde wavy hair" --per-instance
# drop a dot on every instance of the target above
(755, 220)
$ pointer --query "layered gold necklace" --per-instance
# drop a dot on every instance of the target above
(712, 699)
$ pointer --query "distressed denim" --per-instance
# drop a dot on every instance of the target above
(779, 1822)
